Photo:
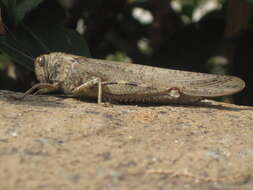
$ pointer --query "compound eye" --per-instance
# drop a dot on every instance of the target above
(41, 61)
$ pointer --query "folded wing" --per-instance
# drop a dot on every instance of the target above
(207, 85)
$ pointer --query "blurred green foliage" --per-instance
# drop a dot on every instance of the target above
(16, 9)
(41, 31)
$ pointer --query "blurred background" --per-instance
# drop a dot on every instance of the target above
(211, 36)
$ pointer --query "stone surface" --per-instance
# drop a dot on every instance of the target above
(49, 142)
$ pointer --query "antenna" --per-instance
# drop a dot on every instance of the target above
(18, 51)
(13, 48)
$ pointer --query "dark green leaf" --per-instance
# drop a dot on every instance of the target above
(31, 42)
(16, 9)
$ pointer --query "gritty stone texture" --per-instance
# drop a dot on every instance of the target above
(49, 142)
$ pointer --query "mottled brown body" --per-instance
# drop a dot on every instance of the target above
(127, 82)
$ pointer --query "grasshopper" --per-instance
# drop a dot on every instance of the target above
(126, 82)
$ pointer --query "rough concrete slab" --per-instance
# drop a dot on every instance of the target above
(49, 142)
